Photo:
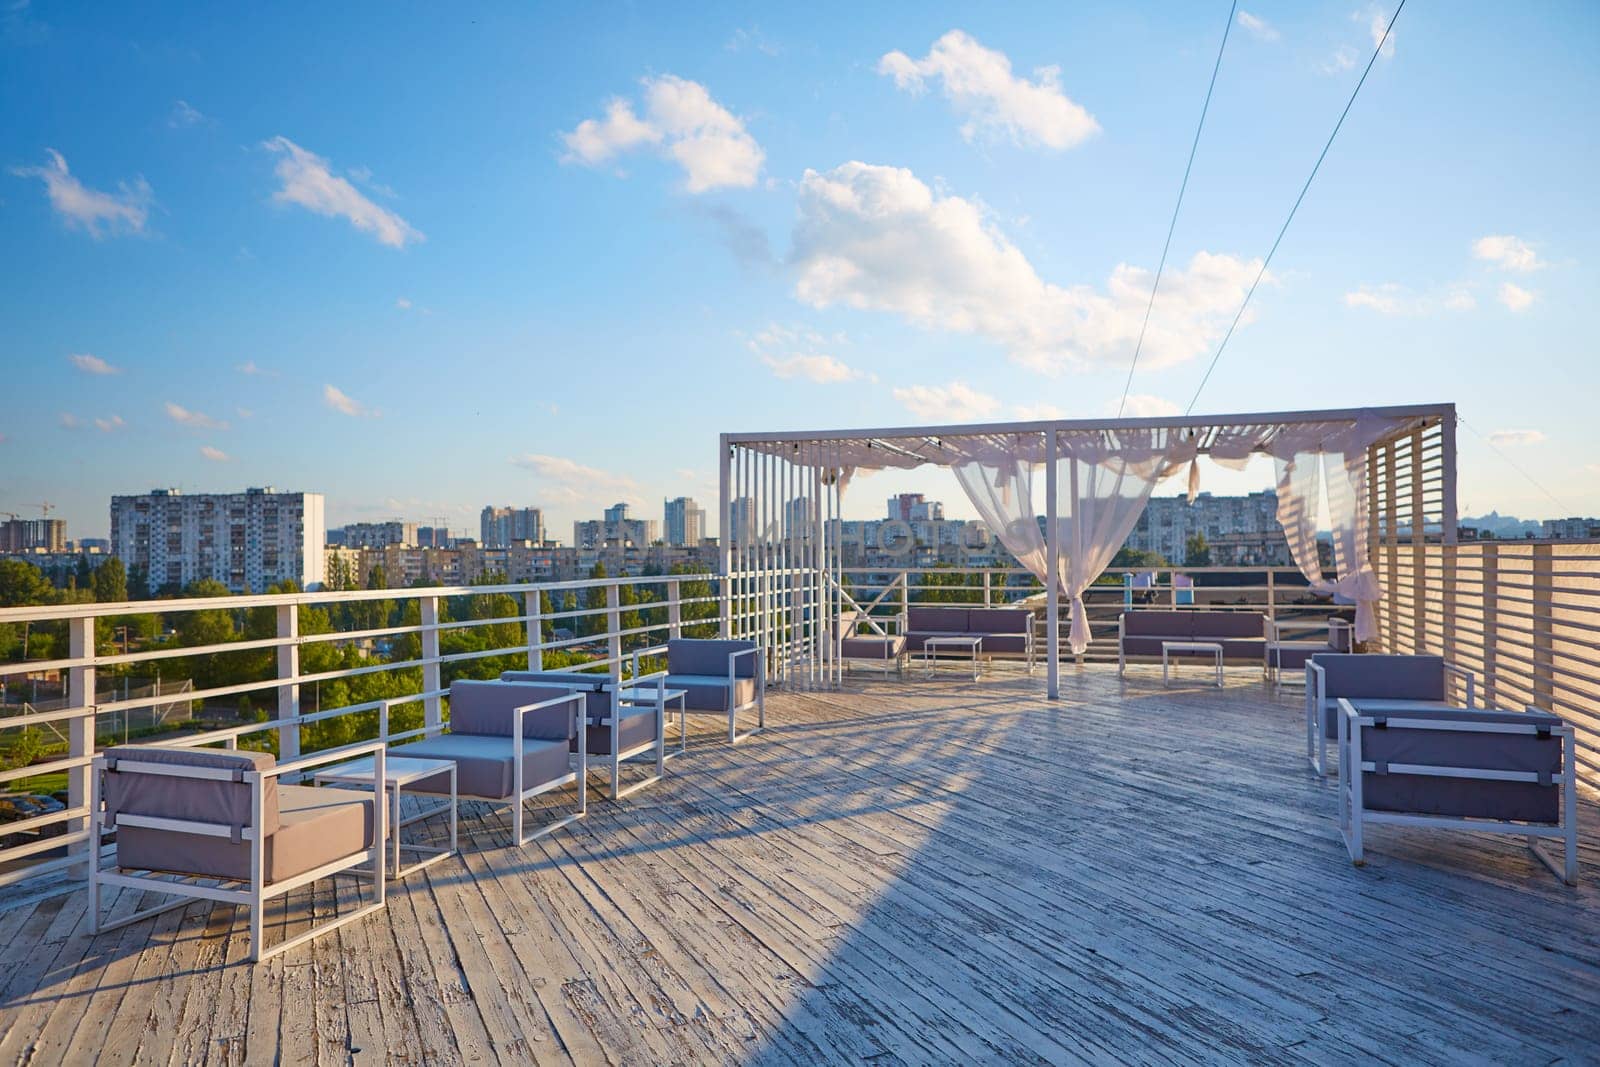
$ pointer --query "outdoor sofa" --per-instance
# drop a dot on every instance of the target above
(722, 676)
(1420, 680)
(875, 644)
(510, 742)
(1005, 631)
(617, 732)
(1503, 772)
(216, 824)
(1242, 634)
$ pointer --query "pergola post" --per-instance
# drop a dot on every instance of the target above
(1052, 555)
(725, 539)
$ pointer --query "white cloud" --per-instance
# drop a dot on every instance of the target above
(93, 364)
(1341, 61)
(1037, 412)
(680, 118)
(344, 404)
(990, 99)
(1377, 21)
(1259, 28)
(955, 402)
(69, 421)
(792, 352)
(876, 238)
(184, 114)
(215, 455)
(98, 213)
(1517, 437)
(249, 369)
(820, 369)
(193, 419)
(569, 481)
(1460, 300)
(1145, 406)
(1516, 297)
(1511, 253)
(109, 424)
(244, 413)
(402, 303)
(309, 182)
(1391, 298)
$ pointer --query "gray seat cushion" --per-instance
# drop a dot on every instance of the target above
(485, 764)
(874, 647)
(1008, 643)
(315, 827)
(710, 692)
(636, 727)
(1463, 797)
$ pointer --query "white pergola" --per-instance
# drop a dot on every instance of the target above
(781, 496)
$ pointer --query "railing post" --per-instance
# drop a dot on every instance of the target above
(80, 694)
(674, 609)
(988, 602)
(288, 667)
(1272, 597)
(1491, 625)
(1544, 658)
(614, 629)
(905, 595)
(432, 676)
(535, 616)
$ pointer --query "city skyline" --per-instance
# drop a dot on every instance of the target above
(224, 271)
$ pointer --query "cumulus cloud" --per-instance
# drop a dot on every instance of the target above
(96, 212)
(989, 98)
(1341, 61)
(1391, 298)
(1511, 253)
(344, 404)
(954, 402)
(215, 455)
(681, 120)
(1516, 297)
(1257, 26)
(1377, 21)
(93, 364)
(1145, 406)
(877, 238)
(791, 352)
(402, 303)
(570, 481)
(1037, 412)
(109, 423)
(1517, 437)
(250, 370)
(69, 421)
(309, 182)
(195, 420)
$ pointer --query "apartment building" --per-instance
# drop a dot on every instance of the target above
(685, 522)
(247, 541)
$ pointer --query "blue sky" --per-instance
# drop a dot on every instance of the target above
(421, 260)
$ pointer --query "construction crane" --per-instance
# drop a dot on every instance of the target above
(46, 507)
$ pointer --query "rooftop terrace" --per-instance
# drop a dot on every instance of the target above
(894, 872)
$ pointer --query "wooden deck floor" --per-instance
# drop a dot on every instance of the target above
(904, 872)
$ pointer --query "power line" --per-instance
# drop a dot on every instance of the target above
(1516, 467)
(1175, 207)
(1297, 200)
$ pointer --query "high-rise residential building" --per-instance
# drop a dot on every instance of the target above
(247, 541)
(685, 522)
(33, 535)
(741, 520)
(433, 537)
(1251, 522)
(914, 507)
(616, 529)
(500, 527)
(376, 534)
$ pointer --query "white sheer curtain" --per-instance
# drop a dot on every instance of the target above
(999, 482)
(1103, 482)
(1341, 467)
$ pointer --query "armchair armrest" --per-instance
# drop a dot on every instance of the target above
(1318, 683)
(576, 698)
(1468, 679)
(331, 755)
(761, 670)
(638, 653)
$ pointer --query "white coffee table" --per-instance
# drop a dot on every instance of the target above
(399, 772)
(645, 696)
(1190, 648)
(932, 645)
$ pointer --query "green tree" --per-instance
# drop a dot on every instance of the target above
(110, 582)
(23, 585)
(1196, 553)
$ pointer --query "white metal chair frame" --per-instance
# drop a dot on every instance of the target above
(759, 703)
(613, 722)
(256, 891)
(1318, 705)
(1276, 639)
(520, 793)
(877, 623)
(1353, 816)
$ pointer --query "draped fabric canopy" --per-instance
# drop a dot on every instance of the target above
(1104, 474)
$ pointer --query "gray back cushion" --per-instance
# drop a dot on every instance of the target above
(1391, 676)
(1463, 797)
(486, 709)
(999, 620)
(1158, 623)
(1228, 624)
(694, 656)
(192, 799)
(936, 620)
